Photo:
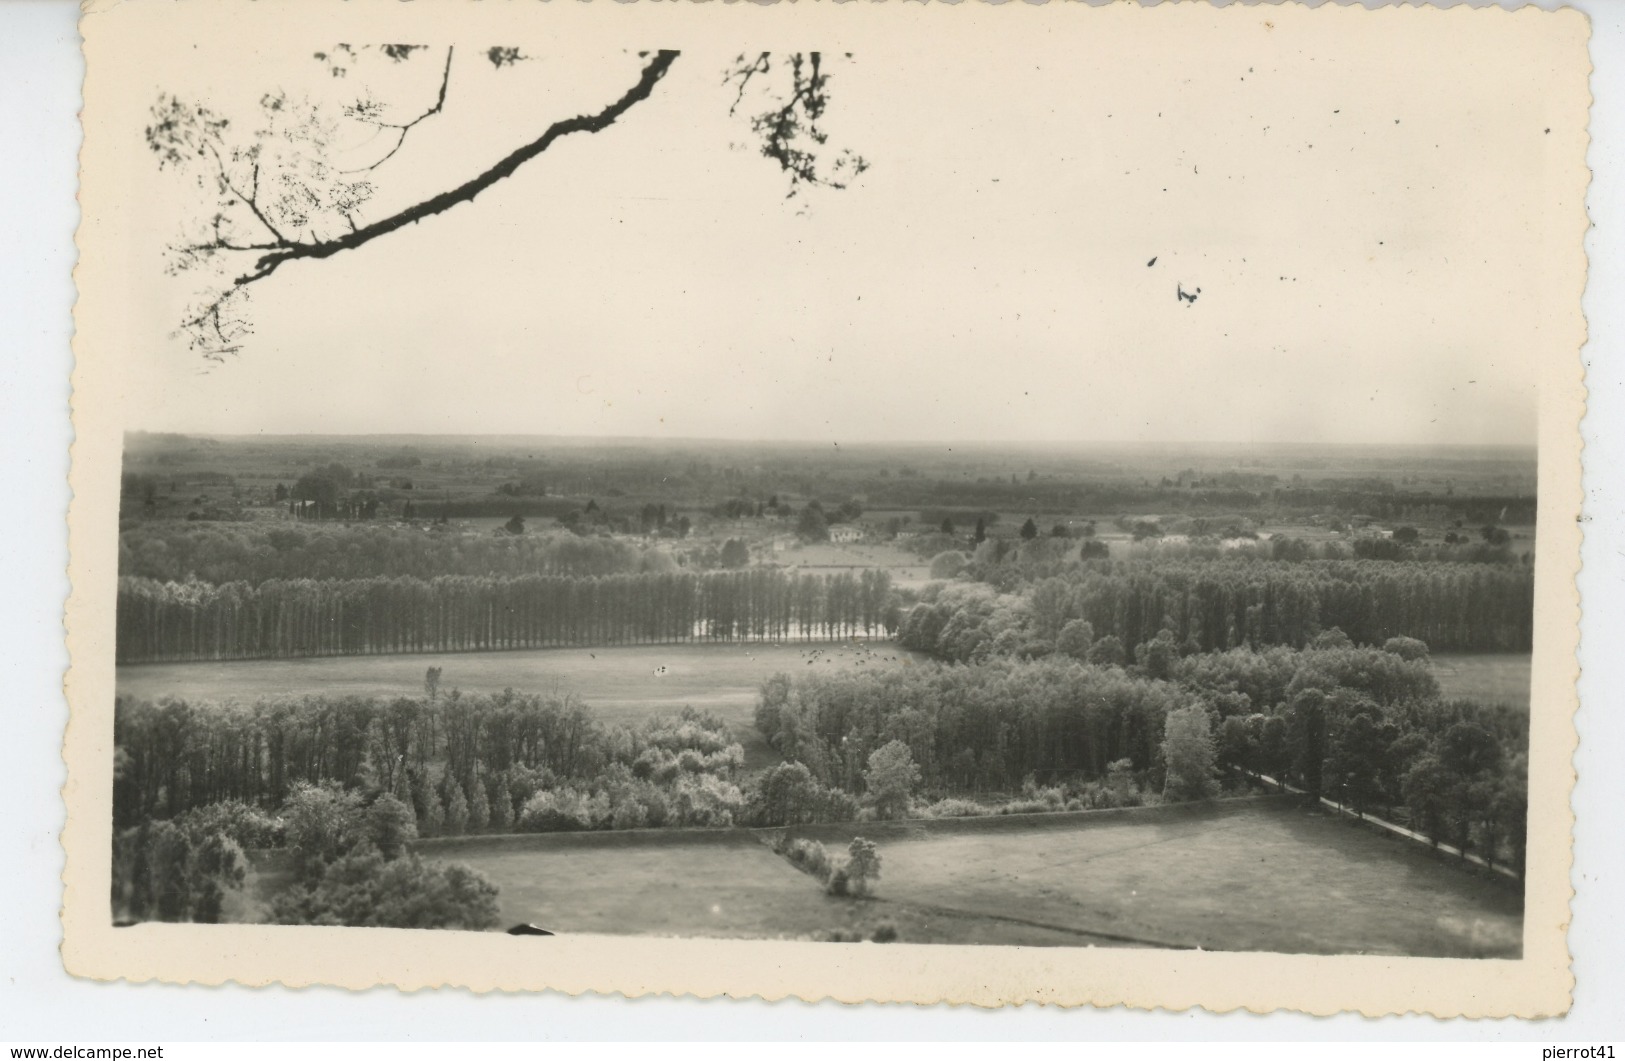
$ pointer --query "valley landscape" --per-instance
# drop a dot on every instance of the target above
(1268, 698)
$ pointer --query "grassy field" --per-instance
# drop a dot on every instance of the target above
(1489, 678)
(718, 885)
(1267, 875)
(629, 683)
(619, 684)
(830, 558)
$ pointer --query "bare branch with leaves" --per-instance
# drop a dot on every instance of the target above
(278, 196)
(789, 127)
(370, 112)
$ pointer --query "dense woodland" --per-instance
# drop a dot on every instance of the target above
(344, 784)
(1221, 604)
(1365, 726)
(462, 762)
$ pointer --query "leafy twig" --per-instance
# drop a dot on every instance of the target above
(402, 130)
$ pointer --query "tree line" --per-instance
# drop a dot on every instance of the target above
(969, 729)
(255, 552)
(461, 762)
(251, 774)
(1263, 503)
(346, 784)
(1366, 726)
(280, 619)
(1216, 605)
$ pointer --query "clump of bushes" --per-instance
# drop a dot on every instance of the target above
(839, 935)
(1027, 806)
(1119, 789)
(854, 877)
(884, 932)
(947, 564)
(848, 877)
(840, 883)
(809, 856)
(1036, 800)
(621, 801)
(629, 815)
(953, 807)
(665, 766)
(565, 810)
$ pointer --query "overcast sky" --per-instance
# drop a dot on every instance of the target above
(1363, 219)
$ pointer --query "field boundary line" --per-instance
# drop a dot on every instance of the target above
(1198, 810)
(896, 830)
(951, 911)
(1138, 847)
(1400, 830)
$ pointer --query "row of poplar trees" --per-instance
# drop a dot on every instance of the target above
(280, 619)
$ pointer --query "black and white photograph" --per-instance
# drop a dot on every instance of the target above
(1050, 485)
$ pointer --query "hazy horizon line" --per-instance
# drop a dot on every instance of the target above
(1530, 446)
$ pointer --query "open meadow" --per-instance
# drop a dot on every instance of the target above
(1490, 678)
(620, 684)
(905, 569)
(1263, 874)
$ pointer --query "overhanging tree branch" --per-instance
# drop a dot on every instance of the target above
(308, 208)
(586, 123)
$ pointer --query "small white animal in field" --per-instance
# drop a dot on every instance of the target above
(660, 671)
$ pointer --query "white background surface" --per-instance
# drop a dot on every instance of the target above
(40, 72)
